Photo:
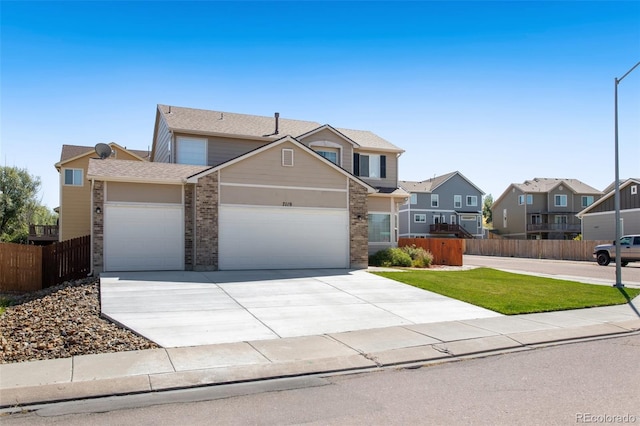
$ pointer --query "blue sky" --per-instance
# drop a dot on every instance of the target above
(500, 91)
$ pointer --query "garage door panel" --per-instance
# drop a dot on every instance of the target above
(279, 238)
(143, 238)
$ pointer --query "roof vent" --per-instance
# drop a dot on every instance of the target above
(277, 117)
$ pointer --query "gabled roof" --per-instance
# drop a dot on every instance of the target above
(138, 171)
(430, 185)
(608, 195)
(194, 178)
(207, 122)
(545, 185)
(73, 152)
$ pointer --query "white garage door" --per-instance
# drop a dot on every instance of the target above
(143, 238)
(283, 238)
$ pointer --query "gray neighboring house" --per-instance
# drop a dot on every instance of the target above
(542, 208)
(598, 220)
(449, 204)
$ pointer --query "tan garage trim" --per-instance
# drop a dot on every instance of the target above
(144, 193)
(282, 196)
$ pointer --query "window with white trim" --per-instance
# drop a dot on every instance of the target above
(370, 165)
(191, 151)
(634, 189)
(472, 200)
(379, 227)
(435, 200)
(287, 157)
(73, 177)
(457, 201)
(420, 218)
(329, 155)
(414, 198)
(587, 200)
(560, 200)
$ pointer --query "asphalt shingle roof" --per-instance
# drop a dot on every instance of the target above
(547, 184)
(72, 151)
(254, 126)
(141, 171)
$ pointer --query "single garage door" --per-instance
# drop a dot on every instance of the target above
(283, 238)
(143, 238)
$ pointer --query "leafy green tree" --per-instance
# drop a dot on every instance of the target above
(486, 209)
(19, 205)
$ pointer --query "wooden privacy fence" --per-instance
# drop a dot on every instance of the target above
(445, 251)
(30, 268)
(533, 249)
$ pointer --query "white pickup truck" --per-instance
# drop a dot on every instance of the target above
(629, 251)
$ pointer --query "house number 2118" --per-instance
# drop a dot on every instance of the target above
(287, 204)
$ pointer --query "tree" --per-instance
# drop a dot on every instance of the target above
(486, 209)
(19, 205)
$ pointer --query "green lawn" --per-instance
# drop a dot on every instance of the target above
(512, 294)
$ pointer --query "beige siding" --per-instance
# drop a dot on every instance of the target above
(162, 153)
(221, 150)
(346, 160)
(144, 193)
(75, 202)
(282, 197)
(515, 215)
(266, 169)
(379, 204)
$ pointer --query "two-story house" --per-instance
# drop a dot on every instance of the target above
(598, 219)
(443, 205)
(542, 208)
(237, 191)
(75, 193)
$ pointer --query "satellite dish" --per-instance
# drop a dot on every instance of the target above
(103, 150)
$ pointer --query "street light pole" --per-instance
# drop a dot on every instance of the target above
(616, 199)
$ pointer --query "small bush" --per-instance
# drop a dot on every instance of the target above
(390, 257)
(420, 258)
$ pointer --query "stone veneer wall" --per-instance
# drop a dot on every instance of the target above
(98, 227)
(189, 191)
(358, 225)
(206, 223)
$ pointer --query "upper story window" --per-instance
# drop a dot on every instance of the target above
(414, 198)
(73, 177)
(587, 200)
(435, 200)
(191, 151)
(370, 165)
(329, 155)
(560, 200)
(528, 197)
(472, 200)
(457, 201)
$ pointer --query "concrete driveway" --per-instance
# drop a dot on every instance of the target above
(177, 309)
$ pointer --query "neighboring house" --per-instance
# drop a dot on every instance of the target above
(247, 192)
(447, 204)
(598, 220)
(75, 192)
(542, 208)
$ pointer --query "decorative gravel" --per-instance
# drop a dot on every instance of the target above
(59, 322)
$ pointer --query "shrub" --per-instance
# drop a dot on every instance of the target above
(420, 258)
(391, 257)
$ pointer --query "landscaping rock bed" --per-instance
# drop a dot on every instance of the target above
(60, 322)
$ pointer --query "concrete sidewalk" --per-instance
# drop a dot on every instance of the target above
(156, 370)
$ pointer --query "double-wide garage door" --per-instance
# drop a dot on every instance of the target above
(282, 238)
(143, 238)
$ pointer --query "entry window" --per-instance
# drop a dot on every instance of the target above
(560, 200)
(420, 218)
(191, 151)
(73, 177)
(379, 228)
(370, 165)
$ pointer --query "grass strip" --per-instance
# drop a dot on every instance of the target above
(512, 294)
